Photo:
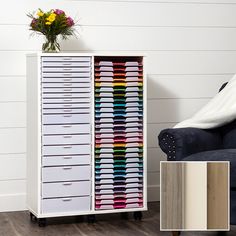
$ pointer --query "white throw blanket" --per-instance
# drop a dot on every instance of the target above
(220, 110)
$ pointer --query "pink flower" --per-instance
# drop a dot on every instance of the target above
(59, 12)
(69, 21)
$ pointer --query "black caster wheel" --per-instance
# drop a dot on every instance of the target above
(176, 233)
(124, 215)
(91, 219)
(42, 222)
(138, 215)
(33, 218)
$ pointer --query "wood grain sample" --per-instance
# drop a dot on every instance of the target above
(217, 196)
(172, 195)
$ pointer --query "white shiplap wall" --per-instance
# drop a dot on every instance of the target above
(191, 49)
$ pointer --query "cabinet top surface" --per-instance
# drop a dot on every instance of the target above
(71, 54)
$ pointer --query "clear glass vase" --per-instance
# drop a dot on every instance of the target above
(51, 45)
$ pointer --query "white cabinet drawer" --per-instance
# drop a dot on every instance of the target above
(66, 64)
(67, 100)
(66, 139)
(67, 85)
(66, 189)
(66, 111)
(66, 129)
(66, 118)
(66, 173)
(66, 150)
(66, 90)
(66, 106)
(67, 95)
(66, 160)
(74, 204)
(66, 79)
(66, 74)
(66, 59)
(66, 69)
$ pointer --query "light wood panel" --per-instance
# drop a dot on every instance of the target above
(12, 141)
(154, 13)
(17, 86)
(184, 86)
(175, 110)
(172, 195)
(217, 195)
(13, 114)
(91, 37)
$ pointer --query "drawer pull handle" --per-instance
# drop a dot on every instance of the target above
(67, 58)
(67, 95)
(67, 105)
(67, 79)
(69, 115)
(67, 110)
(67, 100)
(69, 157)
(67, 146)
(67, 69)
(66, 126)
(67, 74)
(67, 89)
(66, 199)
(67, 136)
(66, 64)
(67, 168)
(68, 84)
(67, 184)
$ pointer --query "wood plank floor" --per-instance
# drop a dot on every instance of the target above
(18, 224)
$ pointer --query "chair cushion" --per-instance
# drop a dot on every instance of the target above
(218, 155)
(228, 133)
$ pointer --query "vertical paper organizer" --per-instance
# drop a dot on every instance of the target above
(118, 132)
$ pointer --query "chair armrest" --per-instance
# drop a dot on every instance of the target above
(181, 142)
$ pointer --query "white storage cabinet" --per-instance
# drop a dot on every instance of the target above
(86, 135)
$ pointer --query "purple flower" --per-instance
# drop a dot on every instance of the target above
(69, 21)
(33, 22)
(59, 12)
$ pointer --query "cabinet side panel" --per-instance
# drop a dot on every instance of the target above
(33, 141)
(217, 196)
(172, 193)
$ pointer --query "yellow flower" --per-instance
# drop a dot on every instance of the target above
(51, 17)
(40, 13)
(48, 23)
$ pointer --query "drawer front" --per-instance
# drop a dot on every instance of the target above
(66, 160)
(67, 85)
(66, 74)
(66, 59)
(66, 129)
(66, 173)
(68, 95)
(66, 69)
(66, 118)
(67, 100)
(66, 64)
(66, 150)
(73, 204)
(66, 189)
(66, 79)
(65, 105)
(66, 139)
(66, 111)
(66, 90)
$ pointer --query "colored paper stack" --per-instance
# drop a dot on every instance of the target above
(118, 133)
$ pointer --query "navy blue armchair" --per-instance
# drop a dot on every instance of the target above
(193, 144)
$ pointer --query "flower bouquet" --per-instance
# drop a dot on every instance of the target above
(51, 24)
